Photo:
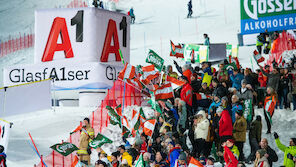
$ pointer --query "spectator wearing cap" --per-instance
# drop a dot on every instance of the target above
(181, 161)
(261, 159)
(289, 151)
(219, 89)
(186, 95)
(239, 133)
(236, 106)
(225, 124)
(254, 137)
(174, 153)
(236, 79)
(125, 156)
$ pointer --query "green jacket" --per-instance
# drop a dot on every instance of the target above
(240, 130)
(235, 151)
(286, 150)
(255, 130)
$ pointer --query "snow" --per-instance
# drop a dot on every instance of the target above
(157, 22)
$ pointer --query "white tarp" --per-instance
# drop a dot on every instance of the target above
(4, 134)
(27, 98)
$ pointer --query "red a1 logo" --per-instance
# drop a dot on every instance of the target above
(59, 29)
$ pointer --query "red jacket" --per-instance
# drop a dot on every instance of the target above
(262, 79)
(229, 158)
(225, 124)
(186, 94)
(188, 74)
(143, 147)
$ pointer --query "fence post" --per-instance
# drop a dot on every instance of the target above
(52, 158)
(63, 157)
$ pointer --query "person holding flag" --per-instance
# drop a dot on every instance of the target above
(269, 106)
(86, 137)
(181, 161)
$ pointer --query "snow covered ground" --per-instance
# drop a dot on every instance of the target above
(157, 22)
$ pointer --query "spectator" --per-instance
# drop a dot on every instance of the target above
(207, 39)
(269, 106)
(254, 137)
(261, 160)
(201, 128)
(289, 151)
(219, 89)
(174, 153)
(159, 160)
(2, 156)
(273, 78)
(230, 156)
(181, 161)
(236, 79)
(236, 106)
(114, 159)
(239, 133)
(125, 156)
(270, 153)
(225, 124)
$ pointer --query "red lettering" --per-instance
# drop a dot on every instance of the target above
(58, 27)
(107, 49)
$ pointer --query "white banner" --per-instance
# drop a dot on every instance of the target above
(87, 29)
(4, 134)
(66, 76)
(27, 98)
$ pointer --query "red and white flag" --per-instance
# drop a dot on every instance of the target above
(129, 72)
(164, 92)
(194, 163)
(149, 73)
(258, 57)
(177, 51)
(125, 123)
(174, 80)
(201, 96)
(135, 82)
(149, 126)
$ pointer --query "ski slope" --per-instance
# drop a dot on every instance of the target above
(157, 22)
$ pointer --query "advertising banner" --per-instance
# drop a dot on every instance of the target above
(273, 15)
(66, 76)
(199, 53)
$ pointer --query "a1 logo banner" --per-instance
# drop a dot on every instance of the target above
(64, 148)
(4, 134)
(155, 59)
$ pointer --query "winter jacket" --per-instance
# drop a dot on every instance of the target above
(161, 164)
(272, 156)
(273, 80)
(235, 107)
(196, 85)
(182, 116)
(220, 91)
(186, 94)
(86, 136)
(206, 91)
(284, 82)
(240, 129)
(263, 162)
(212, 106)
(188, 74)
(229, 158)
(236, 80)
(250, 80)
(255, 130)
(245, 94)
(173, 156)
(3, 160)
(262, 80)
(291, 149)
(202, 128)
(207, 41)
(225, 124)
(128, 158)
(207, 76)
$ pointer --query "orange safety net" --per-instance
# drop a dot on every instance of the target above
(98, 119)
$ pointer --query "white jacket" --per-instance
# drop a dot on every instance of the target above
(202, 128)
(263, 161)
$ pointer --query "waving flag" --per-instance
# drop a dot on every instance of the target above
(149, 126)
(135, 82)
(129, 72)
(201, 96)
(164, 92)
(99, 141)
(149, 73)
(258, 57)
(174, 80)
(177, 51)
(194, 163)
(269, 106)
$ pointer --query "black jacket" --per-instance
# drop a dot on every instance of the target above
(220, 91)
(272, 155)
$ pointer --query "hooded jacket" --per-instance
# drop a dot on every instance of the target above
(202, 128)
(225, 124)
(173, 156)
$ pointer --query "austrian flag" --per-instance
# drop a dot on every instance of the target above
(258, 57)
(149, 73)
(149, 126)
(194, 163)
(129, 72)
(164, 92)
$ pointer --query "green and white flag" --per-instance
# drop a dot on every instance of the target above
(140, 162)
(99, 141)
(248, 109)
(64, 148)
(230, 67)
(125, 132)
(154, 104)
(114, 117)
(154, 59)
(142, 114)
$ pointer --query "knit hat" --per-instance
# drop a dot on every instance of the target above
(182, 156)
(244, 81)
(262, 152)
(224, 98)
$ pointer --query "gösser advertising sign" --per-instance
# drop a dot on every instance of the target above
(78, 48)
(273, 15)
